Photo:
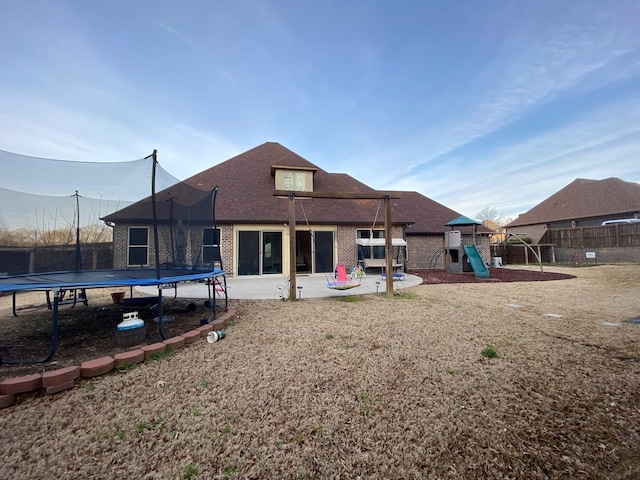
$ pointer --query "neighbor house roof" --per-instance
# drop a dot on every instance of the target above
(584, 198)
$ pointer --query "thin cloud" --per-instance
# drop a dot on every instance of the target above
(521, 175)
(458, 103)
(183, 38)
(533, 71)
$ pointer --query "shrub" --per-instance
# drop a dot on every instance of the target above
(489, 352)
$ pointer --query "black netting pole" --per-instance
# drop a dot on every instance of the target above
(78, 254)
(154, 213)
(214, 193)
(155, 239)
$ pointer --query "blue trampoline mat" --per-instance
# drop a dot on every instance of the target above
(104, 278)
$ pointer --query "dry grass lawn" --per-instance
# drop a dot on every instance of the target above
(375, 388)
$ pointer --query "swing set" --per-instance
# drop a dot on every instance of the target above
(385, 196)
(340, 282)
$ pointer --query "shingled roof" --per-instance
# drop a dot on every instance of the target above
(245, 196)
(582, 199)
(429, 216)
(245, 193)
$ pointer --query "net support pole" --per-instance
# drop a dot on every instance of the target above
(292, 247)
(388, 245)
(214, 307)
(78, 254)
(156, 246)
(156, 250)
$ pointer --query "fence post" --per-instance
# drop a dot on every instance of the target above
(32, 260)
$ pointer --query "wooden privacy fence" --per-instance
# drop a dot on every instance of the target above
(21, 260)
(618, 235)
(518, 254)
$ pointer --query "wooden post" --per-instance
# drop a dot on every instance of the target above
(292, 247)
(32, 260)
(388, 245)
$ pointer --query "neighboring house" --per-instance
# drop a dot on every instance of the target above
(252, 234)
(568, 226)
(582, 203)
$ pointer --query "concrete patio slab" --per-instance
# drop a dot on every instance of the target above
(272, 286)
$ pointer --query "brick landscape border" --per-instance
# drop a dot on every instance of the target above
(62, 379)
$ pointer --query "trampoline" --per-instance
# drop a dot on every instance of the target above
(87, 279)
(104, 278)
(180, 218)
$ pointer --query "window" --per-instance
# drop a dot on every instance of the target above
(374, 251)
(138, 246)
(293, 180)
(210, 245)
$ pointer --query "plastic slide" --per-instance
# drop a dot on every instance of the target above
(477, 263)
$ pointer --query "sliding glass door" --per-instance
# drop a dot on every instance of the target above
(259, 252)
(271, 252)
(324, 251)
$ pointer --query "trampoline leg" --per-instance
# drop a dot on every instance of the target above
(15, 314)
(54, 339)
(214, 306)
(160, 302)
(54, 330)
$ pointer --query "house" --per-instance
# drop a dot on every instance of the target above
(251, 233)
(574, 225)
(582, 203)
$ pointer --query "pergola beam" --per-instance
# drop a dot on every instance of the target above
(340, 196)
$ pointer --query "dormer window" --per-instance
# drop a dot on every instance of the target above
(293, 179)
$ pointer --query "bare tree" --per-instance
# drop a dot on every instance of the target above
(491, 218)
(22, 237)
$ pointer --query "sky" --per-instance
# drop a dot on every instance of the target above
(475, 104)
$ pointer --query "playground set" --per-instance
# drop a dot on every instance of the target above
(460, 258)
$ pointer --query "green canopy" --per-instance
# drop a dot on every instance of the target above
(462, 221)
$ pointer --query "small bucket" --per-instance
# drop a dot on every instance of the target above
(216, 335)
(118, 297)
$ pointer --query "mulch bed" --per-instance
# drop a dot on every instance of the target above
(84, 332)
(496, 275)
